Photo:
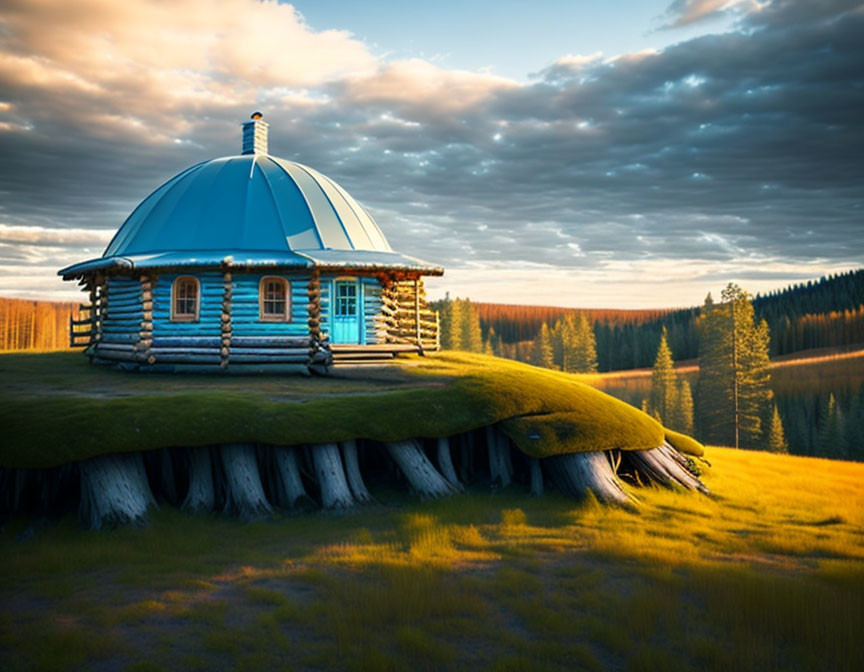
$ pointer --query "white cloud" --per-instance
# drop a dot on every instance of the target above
(152, 59)
(39, 235)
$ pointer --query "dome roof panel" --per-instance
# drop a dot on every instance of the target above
(330, 229)
(298, 226)
(247, 203)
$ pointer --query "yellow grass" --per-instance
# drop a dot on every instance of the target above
(766, 575)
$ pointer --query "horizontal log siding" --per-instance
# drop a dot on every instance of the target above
(245, 315)
(210, 307)
(122, 312)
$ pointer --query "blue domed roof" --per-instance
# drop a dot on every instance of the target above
(248, 203)
(252, 209)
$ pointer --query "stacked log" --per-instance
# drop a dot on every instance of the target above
(226, 327)
(145, 339)
(125, 306)
(406, 316)
(319, 356)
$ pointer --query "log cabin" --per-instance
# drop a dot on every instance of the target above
(251, 263)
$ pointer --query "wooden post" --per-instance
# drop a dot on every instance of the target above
(226, 328)
(145, 338)
(437, 331)
(313, 310)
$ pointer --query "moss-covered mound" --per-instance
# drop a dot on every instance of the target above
(684, 444)
(55, 408)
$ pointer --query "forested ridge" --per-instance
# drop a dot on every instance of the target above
(828, 312)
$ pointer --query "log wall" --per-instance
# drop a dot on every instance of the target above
(132, 319)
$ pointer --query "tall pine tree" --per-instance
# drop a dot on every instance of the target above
(734, 398)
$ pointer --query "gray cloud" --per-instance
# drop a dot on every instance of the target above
(736, 148)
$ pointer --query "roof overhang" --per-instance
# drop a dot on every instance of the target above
(356, 260)
(369, 260)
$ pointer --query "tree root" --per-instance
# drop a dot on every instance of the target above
(244, 495)
(335, 493)
(419, 471)
(289, 490)
(445, 463)
(500, 465)
(114, 491)
(664, 466)
(352, 472)
(576, 473)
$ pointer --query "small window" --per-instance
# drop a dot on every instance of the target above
(185, 299)
(346, 298)
(273, 300)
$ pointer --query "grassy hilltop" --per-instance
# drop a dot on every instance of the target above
(769, 575)
(55, 408)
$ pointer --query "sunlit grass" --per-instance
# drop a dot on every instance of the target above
(766, 574)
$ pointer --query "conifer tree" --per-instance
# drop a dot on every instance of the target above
(584, 353)
(662, 398)
(542, 352)
(452, 328)
(734, 394)
(563, 342)
(776, 435)
(830, 439)
(682, 412)
(472, 336)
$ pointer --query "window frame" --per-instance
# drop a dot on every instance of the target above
(355, 282)
(175, 286)
(273, 317)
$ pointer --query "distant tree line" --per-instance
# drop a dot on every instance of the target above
(733, 401)
(825, 313)
(34, 325)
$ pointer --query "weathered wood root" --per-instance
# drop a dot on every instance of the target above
(244, 494)
(114, 491)
(576, 473)
(352, 472)
(201, 495)
(445, 463)
(289, 489)
(335, 493)
(419, 471)
(536, 477)
(664, 466)
(500, 466)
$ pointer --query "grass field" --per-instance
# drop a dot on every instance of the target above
(769, 575)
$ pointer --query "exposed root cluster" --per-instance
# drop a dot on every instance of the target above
(250, 481)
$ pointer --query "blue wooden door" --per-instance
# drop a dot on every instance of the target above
(346, 312)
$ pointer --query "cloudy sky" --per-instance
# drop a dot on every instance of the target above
(625, 154)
